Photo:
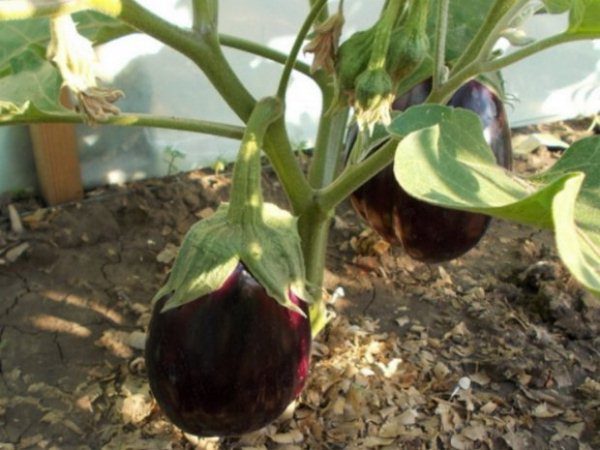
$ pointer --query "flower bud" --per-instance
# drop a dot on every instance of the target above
(352, 60)
(373, 98)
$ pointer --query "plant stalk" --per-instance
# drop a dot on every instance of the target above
(313, 227)
(293, 56)
(263, 51)
(246, 198)
(205, 16)
(439, 67)
(355, 176)
(323, 14)
(383, 33)
(328, 145)
(138, 120)
(443, 93)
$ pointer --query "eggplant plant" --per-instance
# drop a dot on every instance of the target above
(246, 290)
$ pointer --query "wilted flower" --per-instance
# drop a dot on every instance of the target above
(75, 58)
(97, 103)
(325, 43)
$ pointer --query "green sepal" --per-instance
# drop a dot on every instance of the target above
(408, 49)
(209, 253)
(211, 250)
(273, 255)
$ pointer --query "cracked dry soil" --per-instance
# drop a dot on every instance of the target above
(74, 304)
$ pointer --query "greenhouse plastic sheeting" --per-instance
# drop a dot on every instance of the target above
(158, 80)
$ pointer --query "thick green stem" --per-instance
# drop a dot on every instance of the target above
(439, 53)
(260, 50)
(246, 199)
(205, 16)
(281, 155)
(293, 56)
(313, 227)
(324, 13)
(444, 92)
(503, 22)
(205, 52)
(383, 33)
(354, 176)
(328, 145)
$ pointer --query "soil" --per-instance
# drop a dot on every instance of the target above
(497, 349)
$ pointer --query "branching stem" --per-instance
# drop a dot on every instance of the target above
(439, 68)
(293, 56)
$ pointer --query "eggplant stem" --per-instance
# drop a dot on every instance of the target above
(246, 198)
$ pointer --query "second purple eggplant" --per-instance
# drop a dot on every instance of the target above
(427, 232)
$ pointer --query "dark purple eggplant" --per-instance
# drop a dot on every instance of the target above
(229, 362)
(427, 232)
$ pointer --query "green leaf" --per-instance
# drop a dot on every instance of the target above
(31, 85)
(208, 255)
(100, 28)
(449, 164)
(581, 157)
(418, 117)
(584, 18)
(464, 22)
(20, 35)
(273, 255)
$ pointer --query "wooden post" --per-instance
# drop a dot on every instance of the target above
(57, 160)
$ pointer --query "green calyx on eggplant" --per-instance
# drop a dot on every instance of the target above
(427, 232)
(230, 361)
(229, 339)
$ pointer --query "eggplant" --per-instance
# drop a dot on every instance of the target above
(430, 233)
(229, 362)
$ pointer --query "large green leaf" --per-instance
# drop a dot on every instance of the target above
(584, 18)
(31, 83)
(443, 159)
(20, 35)
(578, 230)
(100, 28)
(464, 21)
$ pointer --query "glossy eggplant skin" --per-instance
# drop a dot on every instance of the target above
(229, 362)
(427, 232)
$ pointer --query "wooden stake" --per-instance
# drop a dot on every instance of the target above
(57, 160)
